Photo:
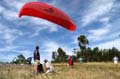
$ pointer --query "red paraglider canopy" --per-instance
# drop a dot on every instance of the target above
(48, 12)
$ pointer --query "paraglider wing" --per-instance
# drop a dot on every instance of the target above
(48, 12)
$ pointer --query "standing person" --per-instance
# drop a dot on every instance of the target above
(48, 66)
(70, 61)
(115, 58)
(36, 59)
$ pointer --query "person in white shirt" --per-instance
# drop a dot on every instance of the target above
(115, 59)
(48, 66)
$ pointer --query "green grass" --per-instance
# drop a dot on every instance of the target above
(79, 71)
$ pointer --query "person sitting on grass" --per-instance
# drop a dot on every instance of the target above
(48, 66)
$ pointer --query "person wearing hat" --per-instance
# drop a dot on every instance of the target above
(36, 59)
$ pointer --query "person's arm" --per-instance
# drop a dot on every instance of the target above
(38, 55)
(34, 55)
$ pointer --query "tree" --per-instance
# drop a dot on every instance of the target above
(61, 52)
(89, 54)
(20, 59)
(96, 54)
(82, 42)
(54, 55)
(74, 58)
(61, 55)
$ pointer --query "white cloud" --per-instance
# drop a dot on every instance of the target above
(26, 53)
(107, 32)
(7, 58)
(13, 51)
(98, 34)
(10, 56)
(50, 46)
(74, 38)
(96, 9)
(16, 4)
(99, 11)
(10, 15)
(105, 19)
(113, 35)
(41, 24)
(75, 41)
(12, 12)
(38, 25)
(8, 35)
(8, 48)
(115, 26)
(68, 50)
(1, 9)
(109, 44)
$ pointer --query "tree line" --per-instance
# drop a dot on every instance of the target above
(20, 59)
(86, 53)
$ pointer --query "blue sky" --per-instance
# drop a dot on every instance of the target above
(99, 20)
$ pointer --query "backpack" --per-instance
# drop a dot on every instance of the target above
(40, 68)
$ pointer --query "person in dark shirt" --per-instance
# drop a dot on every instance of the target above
(36, 59)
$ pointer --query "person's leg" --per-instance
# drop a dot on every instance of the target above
(115, 62)
(47, 71)
(36, 66)
(51, 70)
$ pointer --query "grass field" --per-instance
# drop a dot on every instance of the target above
(79, 71)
